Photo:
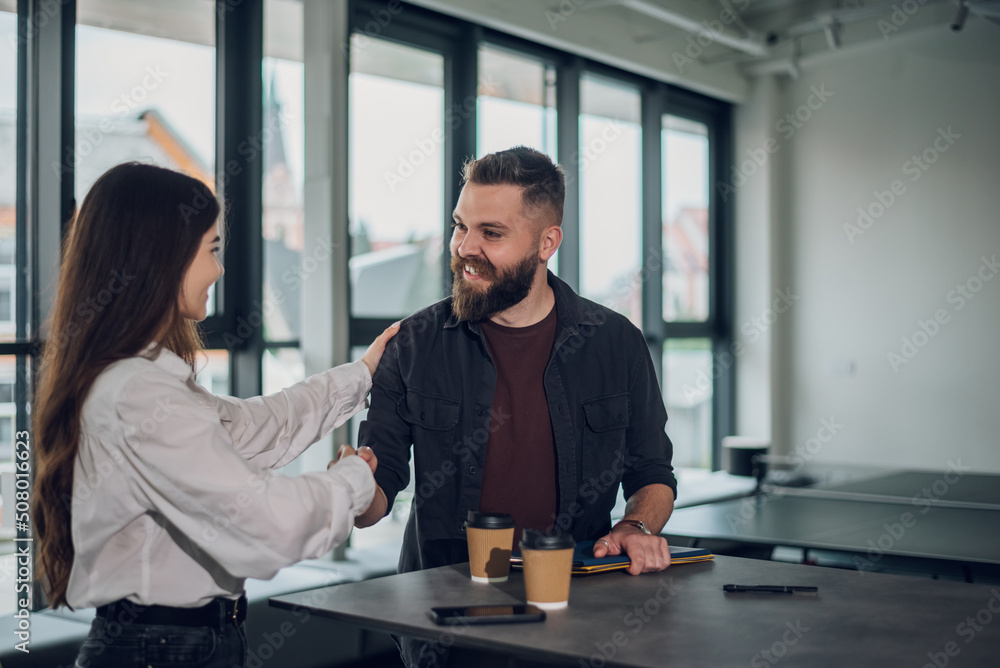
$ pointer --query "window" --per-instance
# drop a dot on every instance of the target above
(610, 195)
(397, 213)
(687, 394)
(145, 91)
(685, 219)
(516, 106)
(288, 256)
(8, 178)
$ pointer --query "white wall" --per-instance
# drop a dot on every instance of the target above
(827, 356)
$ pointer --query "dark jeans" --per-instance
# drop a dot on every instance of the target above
(112, 644)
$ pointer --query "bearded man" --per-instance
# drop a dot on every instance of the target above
(516, 395)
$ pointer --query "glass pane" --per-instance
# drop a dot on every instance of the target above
(283, 367)
(610, 196)
(685, 219)
(397, 127)
(8, 179)
(145, 90)
(388, 529)
(687, 391)
(8, 409)
(213, 372)
(284, 167)
(516, 106)
(516, 103)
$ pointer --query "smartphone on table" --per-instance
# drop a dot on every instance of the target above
(488, 614)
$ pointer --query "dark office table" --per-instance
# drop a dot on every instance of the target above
(925, 515)
(681, 617)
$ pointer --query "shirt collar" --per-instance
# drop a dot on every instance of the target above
(168, 361)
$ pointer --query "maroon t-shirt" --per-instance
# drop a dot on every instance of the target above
(520, 473)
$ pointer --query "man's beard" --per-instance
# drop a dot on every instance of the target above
(506, 288)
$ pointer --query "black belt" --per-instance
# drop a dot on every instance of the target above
(216, 613)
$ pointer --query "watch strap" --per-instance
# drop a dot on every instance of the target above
(635, 523)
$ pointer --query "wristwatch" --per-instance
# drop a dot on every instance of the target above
(635, 523)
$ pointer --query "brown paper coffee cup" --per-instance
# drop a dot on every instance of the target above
(548, 569)
(491, 539)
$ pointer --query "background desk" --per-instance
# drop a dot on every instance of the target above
(910, 514)
(681, 617)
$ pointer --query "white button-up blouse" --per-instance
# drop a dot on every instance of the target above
(174, 498)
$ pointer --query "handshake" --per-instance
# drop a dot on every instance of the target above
(364, 452)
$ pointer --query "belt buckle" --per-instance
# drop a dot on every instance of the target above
(236, 605)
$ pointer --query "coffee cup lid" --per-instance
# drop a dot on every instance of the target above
(533, 539)
(478, 520)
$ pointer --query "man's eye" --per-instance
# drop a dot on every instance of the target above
(491, 234)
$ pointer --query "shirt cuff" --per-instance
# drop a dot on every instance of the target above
(360, 373)
(354, 475)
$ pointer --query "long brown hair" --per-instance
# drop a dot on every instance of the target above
(123, 265)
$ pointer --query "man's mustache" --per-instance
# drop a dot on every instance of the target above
(484, 268)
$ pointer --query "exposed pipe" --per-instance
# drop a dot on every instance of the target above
(747, 45)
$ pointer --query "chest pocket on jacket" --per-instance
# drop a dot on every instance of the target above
(435, 414)
(604, 436)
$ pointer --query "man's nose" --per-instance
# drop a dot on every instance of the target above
(468, 247)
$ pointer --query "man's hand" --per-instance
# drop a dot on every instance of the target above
(648, 553)
(364, 452)
(375, 511)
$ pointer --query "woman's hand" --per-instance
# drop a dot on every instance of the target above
(375, 350)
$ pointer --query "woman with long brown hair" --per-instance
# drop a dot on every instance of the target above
(153, 499)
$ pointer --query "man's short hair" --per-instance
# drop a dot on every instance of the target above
(542, 182)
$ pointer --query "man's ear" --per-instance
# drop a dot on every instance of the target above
(549, 242)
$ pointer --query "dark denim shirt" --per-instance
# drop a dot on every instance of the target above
(434, 390)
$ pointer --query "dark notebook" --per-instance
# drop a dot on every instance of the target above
(584, 561)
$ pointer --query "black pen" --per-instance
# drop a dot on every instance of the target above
(768, 589)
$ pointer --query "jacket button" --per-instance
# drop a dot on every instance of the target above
(462, 528)
(472, 469)
(422, 416)
(620, 418)
(480, 412)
